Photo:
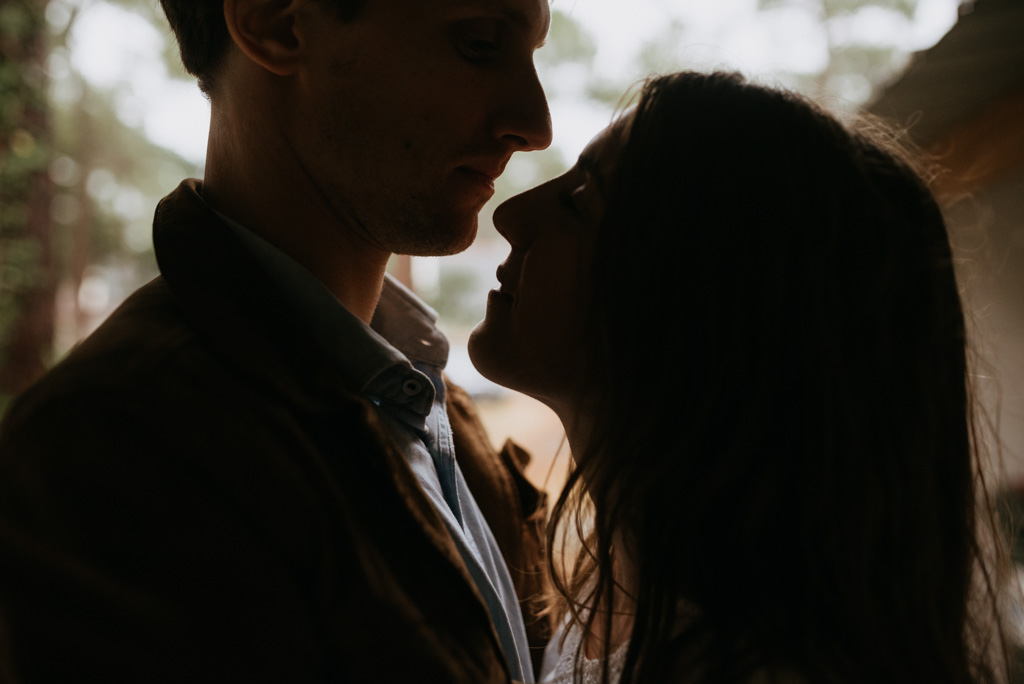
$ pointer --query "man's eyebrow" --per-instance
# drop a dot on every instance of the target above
(517, 17)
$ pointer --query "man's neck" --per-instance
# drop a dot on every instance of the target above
(252, 186)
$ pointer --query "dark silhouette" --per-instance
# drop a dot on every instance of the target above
(248, 472)
(767, 396)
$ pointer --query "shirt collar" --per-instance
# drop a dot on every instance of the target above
(376, 360)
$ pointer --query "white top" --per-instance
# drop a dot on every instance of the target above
(560, 662)
(559, 667)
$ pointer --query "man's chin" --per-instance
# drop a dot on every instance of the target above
(454, 242)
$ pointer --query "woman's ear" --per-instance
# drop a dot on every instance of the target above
(265, 32)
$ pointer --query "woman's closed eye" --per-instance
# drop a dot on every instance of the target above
(568, 199)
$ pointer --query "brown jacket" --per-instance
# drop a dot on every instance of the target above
(194, 496)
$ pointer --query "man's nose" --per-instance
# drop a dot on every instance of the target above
(526, 120)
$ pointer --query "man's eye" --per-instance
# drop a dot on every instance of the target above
(479, 40)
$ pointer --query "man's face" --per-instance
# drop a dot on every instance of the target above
(404, 116)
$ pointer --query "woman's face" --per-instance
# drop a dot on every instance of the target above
(532, 337)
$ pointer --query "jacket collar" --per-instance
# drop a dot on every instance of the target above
(232, 302)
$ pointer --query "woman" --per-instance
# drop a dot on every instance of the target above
(746, 317)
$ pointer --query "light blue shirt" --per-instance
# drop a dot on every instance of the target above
(396, 362)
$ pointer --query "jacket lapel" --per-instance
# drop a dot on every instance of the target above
(240, 316)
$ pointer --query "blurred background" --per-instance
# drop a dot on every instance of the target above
(98, 121)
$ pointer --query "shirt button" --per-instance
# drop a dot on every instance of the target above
(411, 387)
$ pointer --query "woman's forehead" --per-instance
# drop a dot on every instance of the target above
(602, 151)
(601, 154)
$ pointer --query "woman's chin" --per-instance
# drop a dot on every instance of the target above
(487, 358)
(496, 358)
(493, 351)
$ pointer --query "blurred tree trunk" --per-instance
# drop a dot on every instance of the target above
(27, 278)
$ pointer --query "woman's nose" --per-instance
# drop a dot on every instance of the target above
(510, 220)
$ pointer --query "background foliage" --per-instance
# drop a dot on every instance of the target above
(79, 177)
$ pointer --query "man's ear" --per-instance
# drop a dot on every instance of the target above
(265, 31)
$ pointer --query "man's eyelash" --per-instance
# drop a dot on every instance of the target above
(480, 48)
(479, 40)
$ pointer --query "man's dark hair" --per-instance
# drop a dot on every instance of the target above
(203, 36)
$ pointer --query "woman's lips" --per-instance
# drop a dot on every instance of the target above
(498, 298)
(503, 286)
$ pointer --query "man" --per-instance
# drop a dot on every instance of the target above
(236, 478)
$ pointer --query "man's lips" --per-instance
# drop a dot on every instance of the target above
(486, 169)
(490, 174)
(483, 180)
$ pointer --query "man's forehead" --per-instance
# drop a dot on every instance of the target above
(532, 16)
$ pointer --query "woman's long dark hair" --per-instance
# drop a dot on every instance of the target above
(782, 445)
